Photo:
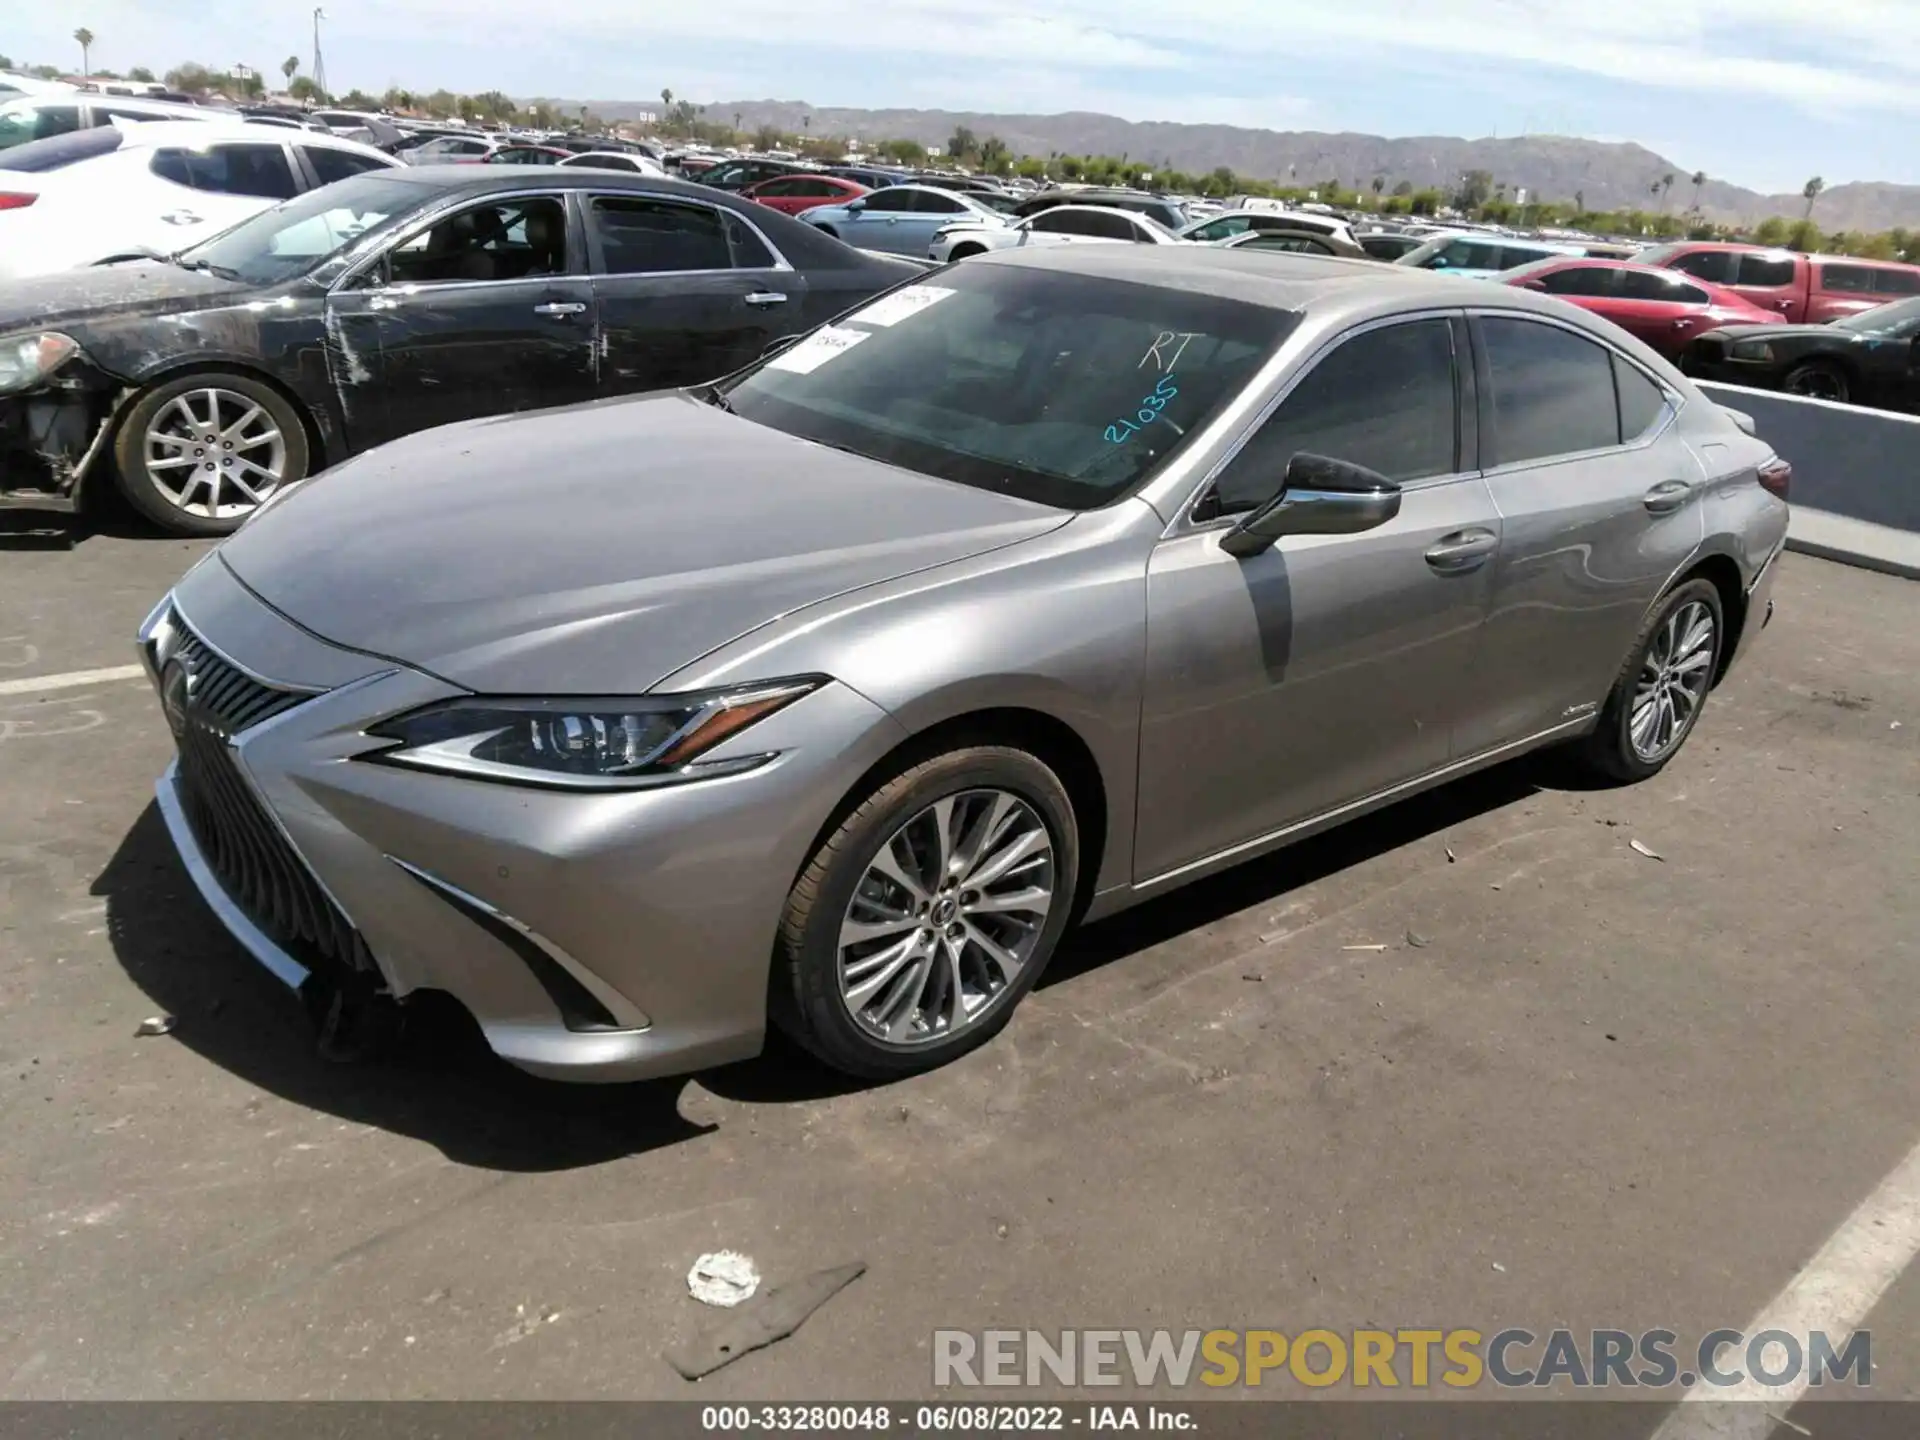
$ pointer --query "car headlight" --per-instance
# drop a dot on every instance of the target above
(1751, 350)
(622, 744)
(28, 359)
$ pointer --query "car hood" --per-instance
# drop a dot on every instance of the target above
(600, 547)
(141, 287)
(1734, 330)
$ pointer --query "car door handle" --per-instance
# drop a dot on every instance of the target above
(1667, 497)
(1462, 551)
(765, 297)
(181, 217)
(560, 308)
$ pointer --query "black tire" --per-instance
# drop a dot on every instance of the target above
(961, 252)
(1819, 380)
(137, 482)
(805, 992)
(1610, 750)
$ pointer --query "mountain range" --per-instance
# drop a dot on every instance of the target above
(1608, 176)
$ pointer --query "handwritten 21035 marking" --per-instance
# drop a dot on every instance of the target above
(1151, 404)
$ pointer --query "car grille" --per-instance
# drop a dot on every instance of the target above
(241, 842)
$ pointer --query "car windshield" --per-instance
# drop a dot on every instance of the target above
(293, 238)
(1065, 389)
(1902, 316)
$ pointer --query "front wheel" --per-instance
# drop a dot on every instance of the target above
(961, 252)
(200, 454)
(1819, 380)
(1658, 695)
(930, 911)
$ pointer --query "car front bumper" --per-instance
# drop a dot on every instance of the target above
(598, 936)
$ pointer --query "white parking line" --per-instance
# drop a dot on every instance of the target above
(1834, 1293)
(31, 684)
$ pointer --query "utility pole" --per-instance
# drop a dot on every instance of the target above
(319, 65)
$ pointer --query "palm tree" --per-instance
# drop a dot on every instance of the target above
(1579, 202)
(1664, 187)
(1810, 192)
(666, 107)
(736, 121)
(84, 37)
(1699, 184)
(288, 66)
(1379, 184)
(806, 123)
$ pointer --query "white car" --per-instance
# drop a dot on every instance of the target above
(449, 150)
(161, 187)
(13, 85)
(39, 117)
(1265, 217)
(617, 160)
(1062, 225)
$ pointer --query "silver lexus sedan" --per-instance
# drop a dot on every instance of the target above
(831, 694)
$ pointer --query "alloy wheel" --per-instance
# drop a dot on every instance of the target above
(215, 453)
(947, 915)
(1674, 675)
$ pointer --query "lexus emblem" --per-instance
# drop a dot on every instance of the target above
(176, 690)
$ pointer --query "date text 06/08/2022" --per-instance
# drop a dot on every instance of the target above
(963, 1419)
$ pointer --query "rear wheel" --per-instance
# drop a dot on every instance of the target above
(929, 912)
(200, 454)
(1659, 693)
(1819, 380)
(961, 252)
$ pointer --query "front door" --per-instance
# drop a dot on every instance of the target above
(685, 291)
(886, 220)
(1327, 668)
(1601, 505)
(486, 311)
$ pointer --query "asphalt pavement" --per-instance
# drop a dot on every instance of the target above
(1578, 1086)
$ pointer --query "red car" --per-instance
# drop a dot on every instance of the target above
(1801, 289)
(793, 193)
(1661, 307)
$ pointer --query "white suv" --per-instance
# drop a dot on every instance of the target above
(160, 187)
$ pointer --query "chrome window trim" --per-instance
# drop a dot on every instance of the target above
(781, 265)
(1183, 522)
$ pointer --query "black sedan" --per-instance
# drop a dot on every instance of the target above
(384, 304)
(1872, 358)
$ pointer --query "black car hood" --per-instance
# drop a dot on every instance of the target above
(1783, 332)
(600, 547)
(132, 288)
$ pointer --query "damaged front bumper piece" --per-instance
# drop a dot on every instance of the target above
(56, 422)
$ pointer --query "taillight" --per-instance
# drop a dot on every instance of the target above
(14, 200)
(1776, 476)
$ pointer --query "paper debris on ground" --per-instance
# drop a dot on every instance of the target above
(156, 1025)
(779, 1313)
(724, 1278)
(1646, 850)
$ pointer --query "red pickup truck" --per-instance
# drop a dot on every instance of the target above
(1802, 289)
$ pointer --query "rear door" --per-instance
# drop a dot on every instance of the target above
(486, 310)
(1664, 309)
(1593, 525)
(685, 290)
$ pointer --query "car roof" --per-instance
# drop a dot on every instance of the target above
(1276, 279)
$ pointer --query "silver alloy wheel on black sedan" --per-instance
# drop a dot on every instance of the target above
(1674, 675)
(199, 454)
(950, 909)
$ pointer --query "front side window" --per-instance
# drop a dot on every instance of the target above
(1716, 267)
(1223, 228)
(1664, 285)
(1552, 391)
(295, 237)
(1580, 280)
(1384, 399)
(1293, 244)
(260, 170)
(501, 240)
(1766, 271)
(1065, 389)
(659, 237)
(17, 127)
(1468, 255)
(892, 201)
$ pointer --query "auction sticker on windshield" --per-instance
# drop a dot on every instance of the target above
(901, 304)
(817, 349)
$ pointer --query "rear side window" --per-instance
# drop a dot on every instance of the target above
(1716, 267)
(1867, 280)
(59, 151)
(1771, 271)
(1294, 244)
(658, 237)
(1384, 399)
(1898, 282)
(331, 165)
(1470, 255)
(1581, 280)
(1552, 391)
(1511, 255)
(1643, 404)
(1643, 285)
(20, 126)
(258, 170)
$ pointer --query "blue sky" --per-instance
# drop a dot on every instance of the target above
(1761, 92)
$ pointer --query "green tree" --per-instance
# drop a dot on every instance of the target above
(288, 66)
(302, 89)
(1403, 190)
(1476, 188)
(736, 122)
(767, 137)
(994, 158)
(909, 152)
(1803, 236)
(1427, 201)
(1771, 231)
(83, 37)
(1379, 186)
(666, 106)
(442, 103)
(191, 79)
(1810, 192)
(138, 72)
(962, 142)
(1699, 183)
(1031, 167)
(1665, 187)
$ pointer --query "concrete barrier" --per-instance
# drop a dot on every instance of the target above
(1856, 475)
